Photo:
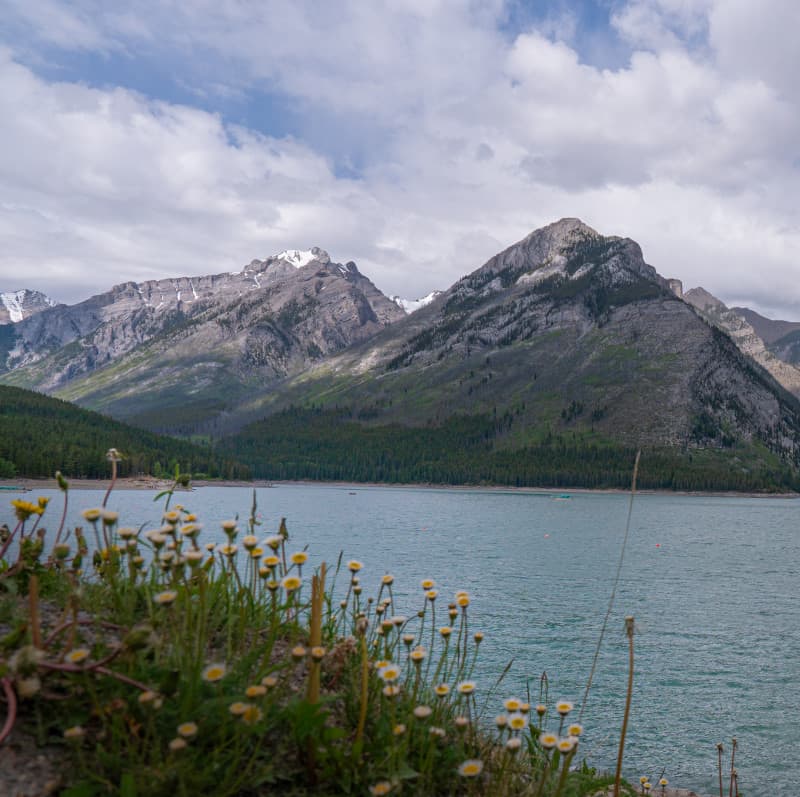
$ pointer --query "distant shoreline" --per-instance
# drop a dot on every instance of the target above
(147, 483)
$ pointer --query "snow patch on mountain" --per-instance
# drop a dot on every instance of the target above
(410, 305)
(21, 304)
(302, 257)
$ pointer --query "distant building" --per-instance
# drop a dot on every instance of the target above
(676, 286)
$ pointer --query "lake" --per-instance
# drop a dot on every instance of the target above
(711, 582)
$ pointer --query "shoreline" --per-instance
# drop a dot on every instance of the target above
(150, 483)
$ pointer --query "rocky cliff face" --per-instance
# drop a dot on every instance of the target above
(18, 305)
(197, 340)
(567, 329)
(735, 323)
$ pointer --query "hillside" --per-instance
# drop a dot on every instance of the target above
(39, 435)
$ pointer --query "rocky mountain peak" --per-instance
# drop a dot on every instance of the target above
(17, 305)
(302, 257)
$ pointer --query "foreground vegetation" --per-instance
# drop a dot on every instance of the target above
(39, 434)
(163, 668)
(303, 443)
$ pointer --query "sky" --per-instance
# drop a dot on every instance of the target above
(160, 138)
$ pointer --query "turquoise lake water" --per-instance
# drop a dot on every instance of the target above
(711, 582)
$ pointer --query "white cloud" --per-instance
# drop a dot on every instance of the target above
(467, 140)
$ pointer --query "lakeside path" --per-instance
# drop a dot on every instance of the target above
(150, 483)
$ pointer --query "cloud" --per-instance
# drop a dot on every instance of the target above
(428, 137)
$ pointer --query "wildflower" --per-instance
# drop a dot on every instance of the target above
(138, 561)
(379, 665)
(157, 538)
(575, 729)
(390, 673)
(61, 551)
(126, 533)
(210, 546)
(565, 745)
(512, 704)
(214, 673)
(643, 779)
(177, 744)
(147, 698)
(274, 542)
(74, 734)
(435, 730)
(291, 583)
(388, 579)
(166, 598)
(193, 557)
(250, 541)
(109, 517)
(399, 729)
(408, 639)
(354, 565)
(470, 768)
(238, 708)
(417, 655)
(299, 558)
(422, 712)
(517, 722)
(259, 690)
(77, 655)
(428, 583)
(42, 502)
(463, 600)
(228, 550)
(445, 631)
(541, 709)
(229, 526)
(431, 594)
(525, 708)
(563, 707)
(548, 740)
(663, 782)
(442, 690)
(398, 620)
(252, 714)
(187, 729)
(28, 687)
(513, 744)
(466, 687)
(269, 681)
(298, 652)
(647, 786)
(318, 653)
(478, 637)
(256, 553)
(92, 515)
(112, 455)
(272, 585)
(391, 690)
(191, 530)
(271, 561)
(172, 517)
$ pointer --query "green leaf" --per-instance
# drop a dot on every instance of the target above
(127, 786)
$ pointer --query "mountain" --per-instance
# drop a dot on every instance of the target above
(566, 334)
(171, 353)
(736, 323)
(782, 337)
(40, 434)
(18, 305)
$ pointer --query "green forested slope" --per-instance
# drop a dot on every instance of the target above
(39, 435)
(480, 449)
